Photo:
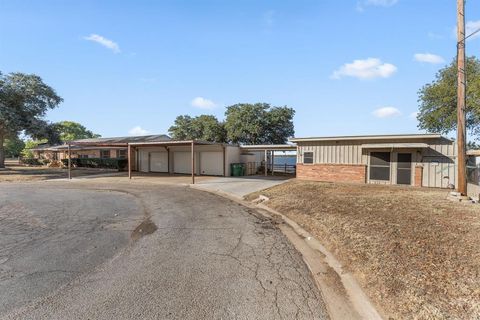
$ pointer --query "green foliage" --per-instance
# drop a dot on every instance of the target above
(259, 123)
(438, 100)
(69, 130)
(24, 101)
(26, 153)
(31, 162)
(204, 127)
(108, 163)
(13, 147)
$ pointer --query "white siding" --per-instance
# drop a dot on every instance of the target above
(211, 163)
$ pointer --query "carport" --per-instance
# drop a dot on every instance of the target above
(194, 157)
(267, 149)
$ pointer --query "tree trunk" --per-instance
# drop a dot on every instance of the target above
(2, 151)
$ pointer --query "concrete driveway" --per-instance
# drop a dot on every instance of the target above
(240, 186)
(85, 251)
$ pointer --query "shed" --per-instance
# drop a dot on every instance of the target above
(408, 159)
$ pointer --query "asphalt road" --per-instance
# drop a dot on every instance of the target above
(80, 251)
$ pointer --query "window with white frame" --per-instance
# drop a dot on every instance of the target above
(104, 154)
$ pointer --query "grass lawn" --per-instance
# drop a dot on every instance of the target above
(18, 173)
(416, 254)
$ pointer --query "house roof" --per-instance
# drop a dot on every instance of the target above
(370, 137)
(121, 141)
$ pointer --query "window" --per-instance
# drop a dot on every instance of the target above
(104, 154)
(308, 157)
(122, 153)
(380, 166)
(83, 156)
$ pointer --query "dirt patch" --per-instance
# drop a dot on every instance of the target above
(415, 253)
(145, 228)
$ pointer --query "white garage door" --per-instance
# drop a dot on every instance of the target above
(211, 163)
(182, 162)
(143, 160)
(159, 161)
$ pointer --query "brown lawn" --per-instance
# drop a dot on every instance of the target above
(416, 254)
(19, 173)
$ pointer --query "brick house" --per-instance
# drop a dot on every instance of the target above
(412, 159)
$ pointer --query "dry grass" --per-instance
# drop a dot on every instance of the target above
(415, 253)
(18, 173)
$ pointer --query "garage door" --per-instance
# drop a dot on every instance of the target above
(143, 160)
(211, 163)
(182, 162)
(158, 161)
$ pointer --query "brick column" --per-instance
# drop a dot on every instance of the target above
(418, 176)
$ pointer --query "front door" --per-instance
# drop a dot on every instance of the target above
(404, 168)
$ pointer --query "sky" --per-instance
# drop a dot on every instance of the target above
(131, 67)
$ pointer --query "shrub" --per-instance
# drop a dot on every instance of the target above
(110, 163)
(31, 162)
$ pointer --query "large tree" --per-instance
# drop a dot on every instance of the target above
(69, 130)
(13, 146)
(259, 123)
(438, 100)
(203, 127)
(24, 101)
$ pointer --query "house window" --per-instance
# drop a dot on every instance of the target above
(308, 157)
(83, 156)
(122, 153)
(104, 154)
(380, 166)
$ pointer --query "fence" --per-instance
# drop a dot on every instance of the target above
(254, 168)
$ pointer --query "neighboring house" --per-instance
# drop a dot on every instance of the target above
(61, 152)
(412, 159)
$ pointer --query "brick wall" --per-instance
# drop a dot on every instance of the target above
(332, 172)
(418, 176)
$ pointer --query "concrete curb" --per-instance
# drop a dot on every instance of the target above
(343, 296)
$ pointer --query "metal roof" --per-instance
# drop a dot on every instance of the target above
(274, 147)
(413, 145)
(370, 137)
(176, 142)
(121, 140)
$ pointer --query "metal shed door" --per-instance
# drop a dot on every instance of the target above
(404, 168)
(143, 160)
(159, 161)
(182, 162)
(211, 163)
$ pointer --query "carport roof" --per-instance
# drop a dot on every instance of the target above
(175, 142)
(121, 141)
(274, 147)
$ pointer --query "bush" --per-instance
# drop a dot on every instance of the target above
(45, 161)
(110, 163)
(31, 162)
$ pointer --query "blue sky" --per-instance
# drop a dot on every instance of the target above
(346, 67)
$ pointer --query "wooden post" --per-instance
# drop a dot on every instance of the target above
(273, 161)
(266, 163)
(193, 163)
(224, 161)
(69, 163)
(129, 157)
(461, 161)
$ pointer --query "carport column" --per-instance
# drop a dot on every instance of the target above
(266, 163)
(224, 161)
(193, 163)
(129, 157)
(69, 163)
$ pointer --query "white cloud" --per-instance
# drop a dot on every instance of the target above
(386, 112)
(107, 43)
(428, 58)
(137, 131)
(202, 103)
(376, 3)
(365, 69)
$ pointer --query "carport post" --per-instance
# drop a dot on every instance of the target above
(266, 163)
(193, 163)
(69, 163)
(129, 162)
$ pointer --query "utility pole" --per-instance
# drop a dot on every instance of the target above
(461, 99)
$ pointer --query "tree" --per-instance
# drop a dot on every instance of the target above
(204, 127)
(13, 147)
(69, 130)
(24, 100)
(259, 123)
(438, 100)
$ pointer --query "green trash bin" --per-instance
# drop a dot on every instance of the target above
(236, 169)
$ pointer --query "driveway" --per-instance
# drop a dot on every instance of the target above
(83, 251)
